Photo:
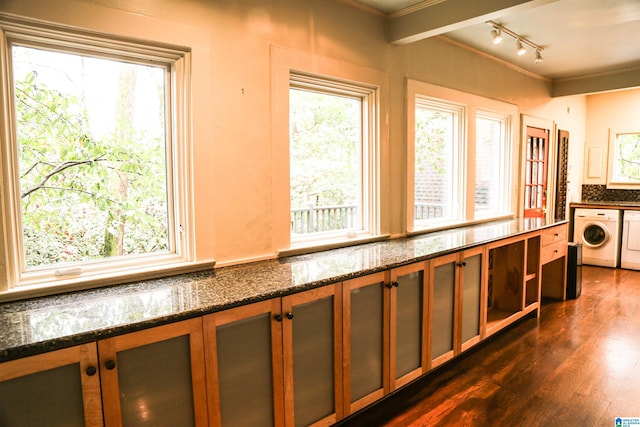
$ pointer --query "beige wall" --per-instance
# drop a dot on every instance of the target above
(231, 42)
(619, 111)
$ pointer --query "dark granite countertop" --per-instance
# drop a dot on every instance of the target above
(48, 323)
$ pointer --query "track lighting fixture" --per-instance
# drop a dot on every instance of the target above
(496, 35)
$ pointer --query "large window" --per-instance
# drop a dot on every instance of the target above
(330, 153)
(93, 160)
(491, 189)
(459, 157)
(438, 153)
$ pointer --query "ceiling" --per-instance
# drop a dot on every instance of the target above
(588, 45)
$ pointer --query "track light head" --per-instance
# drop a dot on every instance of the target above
(496, 35)
(497, 31)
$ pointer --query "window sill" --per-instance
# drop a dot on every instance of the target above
(333, 244)
(106, 279)
(449, 226)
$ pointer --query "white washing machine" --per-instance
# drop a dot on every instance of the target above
(630, 250)
(599, 232)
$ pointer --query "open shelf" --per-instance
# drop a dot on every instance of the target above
(513, 281)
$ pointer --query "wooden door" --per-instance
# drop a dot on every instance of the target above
(365, 303)
(243, 348)
(155, 377)
(312, 342)
(59, 388)
(536, 167)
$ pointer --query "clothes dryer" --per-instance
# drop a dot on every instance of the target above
(630, 250)
(599, 232)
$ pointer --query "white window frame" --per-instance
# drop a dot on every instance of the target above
(459, 154)
(14, 279)
(473, 106)
(505, 168)
(367, 98)
(284, 62)
(613, 156)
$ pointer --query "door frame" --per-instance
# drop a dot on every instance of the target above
(550, 126)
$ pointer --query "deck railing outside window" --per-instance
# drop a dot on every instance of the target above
(329, 218)
(428, 210)
(323, 218)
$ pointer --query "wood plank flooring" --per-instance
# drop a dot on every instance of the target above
(577, 365)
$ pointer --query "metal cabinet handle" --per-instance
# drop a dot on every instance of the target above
(91, 370)
(290, 315)
(110, 364)
(278, 317)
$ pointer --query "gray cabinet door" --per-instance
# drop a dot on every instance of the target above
(155, 377)
(408, 327)
(312, 336)
(472, 289)
(443, 307)
(243, 348)
(365, 314)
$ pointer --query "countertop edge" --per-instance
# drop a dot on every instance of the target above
(30, 349)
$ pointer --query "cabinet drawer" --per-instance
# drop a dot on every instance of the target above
(553, 252)
(554, 235)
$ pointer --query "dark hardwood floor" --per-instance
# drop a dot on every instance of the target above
(577, 365)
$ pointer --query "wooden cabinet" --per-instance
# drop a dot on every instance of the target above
(384, 333)
(243, 348)
(277, 362)
(60, 388)
(155, 377)
(456, 309)
(366, 339)
(554, 262)
(309, 358)
(514, 280)
(408, 323)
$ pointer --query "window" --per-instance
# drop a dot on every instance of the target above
(95, 162)
(330, 150)
(624, 159)
(491, 191)
(438, 152)
(459, 157)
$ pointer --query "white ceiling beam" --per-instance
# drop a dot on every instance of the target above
(450, 15)
(604, 82)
